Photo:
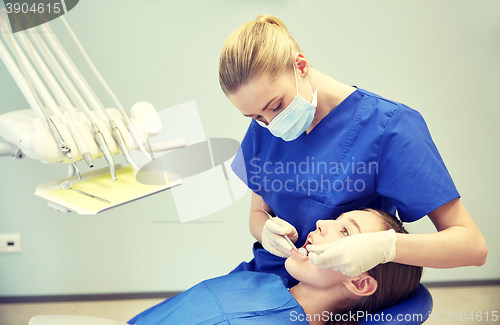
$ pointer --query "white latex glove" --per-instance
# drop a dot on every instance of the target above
(272, 237)
(355, 254)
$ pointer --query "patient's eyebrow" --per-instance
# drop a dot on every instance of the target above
(355, 224)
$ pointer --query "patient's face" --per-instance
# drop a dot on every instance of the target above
(348, 224)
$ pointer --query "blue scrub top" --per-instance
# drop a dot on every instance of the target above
(237, 299)
(367, 152)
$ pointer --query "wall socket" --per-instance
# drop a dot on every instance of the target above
(10, 243)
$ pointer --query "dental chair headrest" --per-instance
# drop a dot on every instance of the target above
(414, 310)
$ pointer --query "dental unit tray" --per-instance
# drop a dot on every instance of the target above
(126, 189)
(67, 122)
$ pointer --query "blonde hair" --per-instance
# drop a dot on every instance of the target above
(257, 47)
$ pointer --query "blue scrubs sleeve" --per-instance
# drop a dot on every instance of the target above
(412, 173)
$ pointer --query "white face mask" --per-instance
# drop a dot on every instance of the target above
(295, 118)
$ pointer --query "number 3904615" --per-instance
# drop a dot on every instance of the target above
(34, 8)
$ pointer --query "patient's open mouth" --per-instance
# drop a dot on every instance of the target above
(303, 250)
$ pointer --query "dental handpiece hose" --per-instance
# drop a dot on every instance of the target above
(128, 122)
(63, 145)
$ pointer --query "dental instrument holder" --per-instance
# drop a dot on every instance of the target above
(70, 131)
(28, 88)
(68, 148)
(125, 190)
(130, 126)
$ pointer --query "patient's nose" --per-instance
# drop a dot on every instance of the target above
(321, 226)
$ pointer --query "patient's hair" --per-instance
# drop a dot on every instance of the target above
(257, 47)
(395, 281)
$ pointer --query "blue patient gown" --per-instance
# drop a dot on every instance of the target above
(238, 299)
(367, 152)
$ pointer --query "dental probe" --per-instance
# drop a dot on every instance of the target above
(66, 185)
(286, 237)
(301, 250)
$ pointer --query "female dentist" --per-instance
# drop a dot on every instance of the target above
(317, 148)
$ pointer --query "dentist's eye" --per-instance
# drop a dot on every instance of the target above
(276, 108)
(345, 232)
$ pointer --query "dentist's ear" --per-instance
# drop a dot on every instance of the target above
(301, 63)
(362, 285)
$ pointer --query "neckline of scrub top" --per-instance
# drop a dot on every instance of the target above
(334, 111)
(335, 119)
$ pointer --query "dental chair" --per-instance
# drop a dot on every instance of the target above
(414, 310)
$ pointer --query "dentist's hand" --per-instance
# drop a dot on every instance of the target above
(272, 236)
(355, 254)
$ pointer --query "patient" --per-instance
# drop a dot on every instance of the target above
(261, 298)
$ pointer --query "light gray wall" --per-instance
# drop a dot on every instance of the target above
(439, 57)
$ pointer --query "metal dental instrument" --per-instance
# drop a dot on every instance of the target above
(58, 93)
(286, 237)
(130, 127)
(117, 135)
(104, 147)
(84, 88)
(66, 185)
(54, 86)
(94, 100)
(63, 145)
(68, 87)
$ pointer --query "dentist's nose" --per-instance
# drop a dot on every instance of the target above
(268, 118)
